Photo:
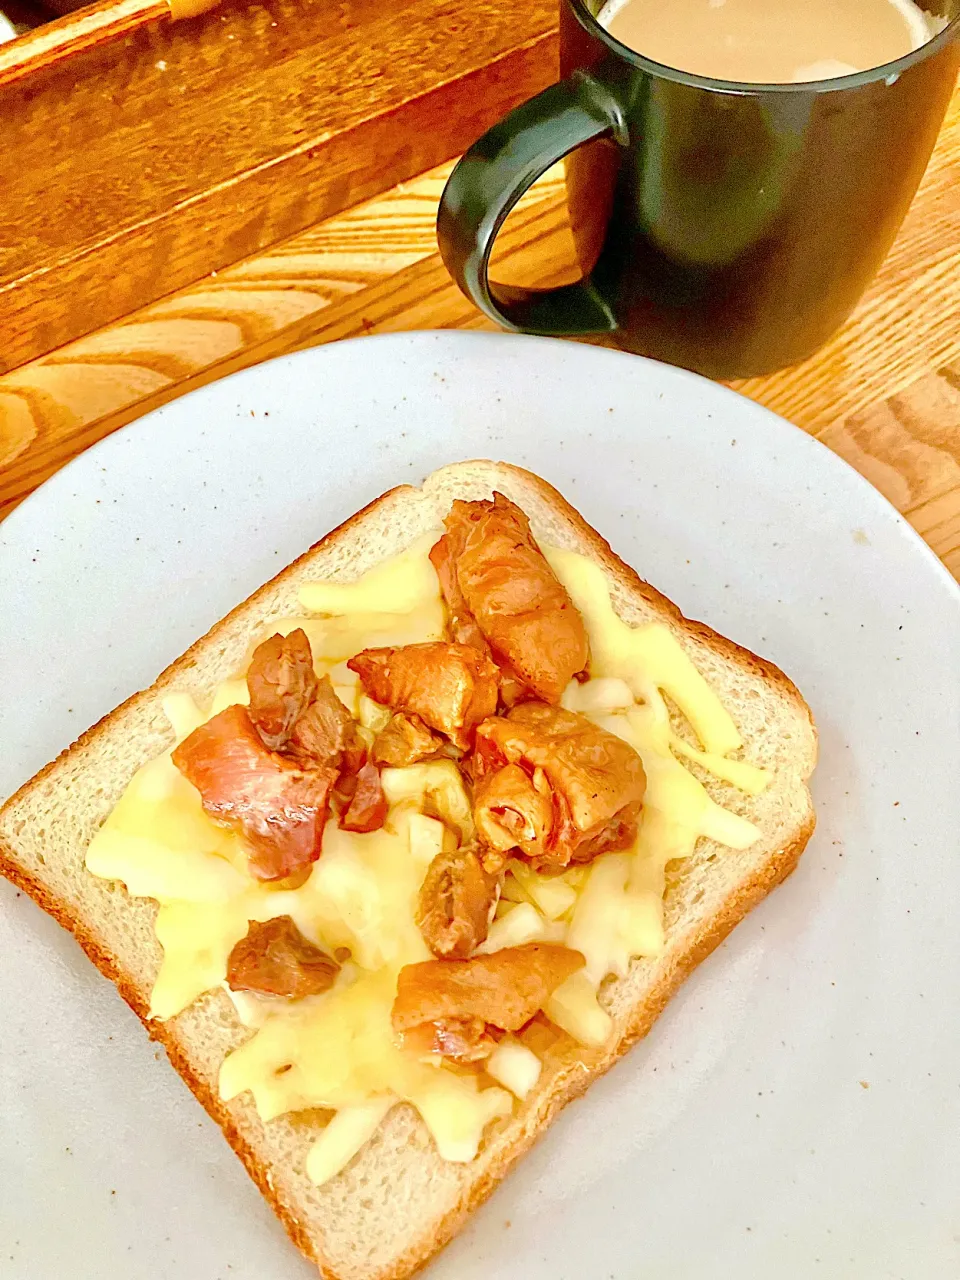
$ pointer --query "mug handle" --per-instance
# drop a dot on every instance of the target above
(490, 179)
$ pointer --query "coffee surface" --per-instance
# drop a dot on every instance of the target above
(769, 41)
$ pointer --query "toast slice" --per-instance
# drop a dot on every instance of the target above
(398, 1202)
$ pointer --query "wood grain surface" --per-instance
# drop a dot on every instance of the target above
(138, 164)
(58, 40)
(884, 393)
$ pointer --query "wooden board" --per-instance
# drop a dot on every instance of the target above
(142, 162)
(884, 393)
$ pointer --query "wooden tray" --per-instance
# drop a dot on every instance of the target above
(884, 393)
(143, 148)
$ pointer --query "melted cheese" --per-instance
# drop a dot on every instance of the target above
(574, 1007)
(619, 913)
(514, 1066)
(554, 896)
(435, 786)
(402, 584)
(337, 1050)
(648, 659)
(334, 640)
(349, 1129)
(515, 929)
(161, 844)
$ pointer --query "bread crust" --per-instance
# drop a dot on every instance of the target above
(566, 1085)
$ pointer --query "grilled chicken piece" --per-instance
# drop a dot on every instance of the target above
(367, 810)
(464, 628)
(517, 808)
(451, 687)
(457, 1039)
(457, 899)
(294, 711)
(492, 572)
(271, 769)
(555, 786)
(619, 833)
(405, 740)
(275, 959)
(279, 807)
(327, 731)
(503, 989)
(282, 685)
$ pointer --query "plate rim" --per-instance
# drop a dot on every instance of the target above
(418, 338)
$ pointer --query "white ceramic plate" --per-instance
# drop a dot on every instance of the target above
(796, 1111)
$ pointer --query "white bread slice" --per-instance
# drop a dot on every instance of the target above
(398, 1203)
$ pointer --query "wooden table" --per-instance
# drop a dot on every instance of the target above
(884, 393)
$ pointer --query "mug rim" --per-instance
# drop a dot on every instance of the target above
(855, 80)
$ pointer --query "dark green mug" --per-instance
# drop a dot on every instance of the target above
(726, 227)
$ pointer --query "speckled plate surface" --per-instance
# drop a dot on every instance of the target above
(795, 1112)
